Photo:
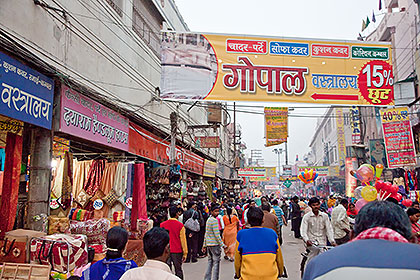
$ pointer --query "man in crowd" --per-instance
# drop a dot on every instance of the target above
(156, 248)
(177, 240)
(280, 217)
(296, 216)
(258, 253)
(341, 223)
(270, 220)
(316, 227)
(213, 244)
(379, 251)
(192, 236)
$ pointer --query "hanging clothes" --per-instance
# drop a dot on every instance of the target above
(94, 178)
(139, 208)
(80, 174)
(57, 183)
(67, 180)
(129, 192)
(2, 158)
(108, 182)
(120, 182)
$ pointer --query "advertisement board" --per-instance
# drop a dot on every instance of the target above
(26, 94)
(207, 142)
(399, 144)
(85, 118)
(276, 125)
(355, 125)
(275, 69)
(272, 187)
(252, 172)
(150, 146)
(351, 181)
(322, 171)
(341, 139)
(209, 168)
(377, 152)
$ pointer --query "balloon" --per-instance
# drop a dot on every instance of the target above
(360, 203)
(369, 193)
(397, 196)
(379, 185)
(394, 189)
(407, 202)
(368, 165)
(308, 176)
(379, 169)
(358, 192)
(364, 173)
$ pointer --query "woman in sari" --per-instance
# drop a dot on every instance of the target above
(229, 234)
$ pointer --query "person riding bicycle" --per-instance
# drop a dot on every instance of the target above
(316, 228)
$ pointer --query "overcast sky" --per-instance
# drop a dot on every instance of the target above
(327, 19)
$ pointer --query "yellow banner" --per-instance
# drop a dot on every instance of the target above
(341, 139)
(270, 69)
(276, 125)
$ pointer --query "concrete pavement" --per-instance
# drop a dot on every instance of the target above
(291, 249)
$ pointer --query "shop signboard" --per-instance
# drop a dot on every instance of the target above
(341, 139)
(269, 69)
(272, 187)
(209, 168)
(322, 171)
(276, 125)
(207, 142)
(145, 144)
(252, 172)
(399, 142)
(355, 125)
(351, 182)
(259, 179)
(26, 94)
(85, 118)
(287, 170)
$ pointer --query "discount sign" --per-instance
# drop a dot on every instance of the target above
(376, 82)
(399, 143)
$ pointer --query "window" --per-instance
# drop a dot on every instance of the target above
(116, 5)
(349, 151)
(143, 29)
(346, 118)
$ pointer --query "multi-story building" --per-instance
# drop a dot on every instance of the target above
(108, 51)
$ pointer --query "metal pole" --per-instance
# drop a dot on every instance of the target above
(287, 157)
(234, 134)
(174, 127)
(278, 161)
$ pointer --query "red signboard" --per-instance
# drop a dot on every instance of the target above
(330, 50)
(246, 46)
(207, 142)
(150, 146)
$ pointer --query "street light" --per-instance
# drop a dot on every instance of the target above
(278, 152)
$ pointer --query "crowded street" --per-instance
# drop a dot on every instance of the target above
(209, 140)
(291, 248)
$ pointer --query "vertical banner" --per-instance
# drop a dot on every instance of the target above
(355, 125)
(377, 152)
(399, 144)
(276, 129)
(341, 140)
(351, 182)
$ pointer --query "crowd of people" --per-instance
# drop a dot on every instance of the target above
(381, 241)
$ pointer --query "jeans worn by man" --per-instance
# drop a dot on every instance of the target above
(213, 243)
(213, 267)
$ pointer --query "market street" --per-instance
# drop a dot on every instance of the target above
(291, 252)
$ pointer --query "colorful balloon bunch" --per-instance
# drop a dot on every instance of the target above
(386, 190)
(308, 176)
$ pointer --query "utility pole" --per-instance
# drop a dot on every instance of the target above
(174, 128)
(278, 152)
(287, 157)
(234, 135)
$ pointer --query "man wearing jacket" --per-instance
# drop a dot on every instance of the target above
(192, 236)
(380, 250)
